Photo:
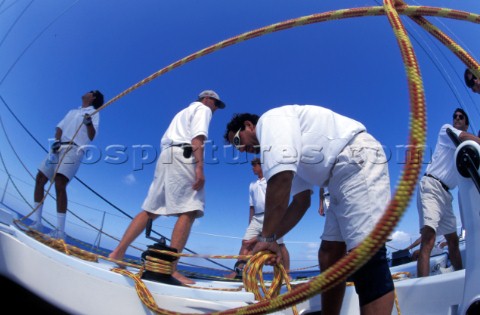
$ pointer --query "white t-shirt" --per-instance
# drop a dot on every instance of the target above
(188, 124)
(74, 119)
(257, 191)
(442, 165)
(305, 139)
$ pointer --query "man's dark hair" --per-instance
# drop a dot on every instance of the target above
(460, 110)
(470, 82)
(98, 101)
(238, 122)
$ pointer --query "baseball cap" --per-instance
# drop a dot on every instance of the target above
(212, 94)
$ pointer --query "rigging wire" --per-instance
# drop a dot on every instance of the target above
(10, 176)
(8, 7)
(11, 145)
(357, 260)
(35, 39)
(28, 132)
(31, 175)
(441, 69)
(457, 38)
(83, 183)
(92, 190)
(18, 179)
(454, 70)
(446, 77)
(15, 22)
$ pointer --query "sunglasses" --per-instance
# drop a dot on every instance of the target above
(236, 139)
(459, 116)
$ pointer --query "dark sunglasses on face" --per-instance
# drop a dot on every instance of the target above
(236, 139)
(459, 116)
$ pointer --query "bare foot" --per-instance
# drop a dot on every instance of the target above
(231, 275)
(114, 256)
(177, 275)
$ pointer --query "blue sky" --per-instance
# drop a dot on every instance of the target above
(52, 52)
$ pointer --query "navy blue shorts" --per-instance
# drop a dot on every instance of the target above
(374, 279)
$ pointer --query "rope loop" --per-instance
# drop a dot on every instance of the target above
(253, 277)
(158, 265)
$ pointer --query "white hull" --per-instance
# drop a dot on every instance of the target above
(434, 295)
(82, 287)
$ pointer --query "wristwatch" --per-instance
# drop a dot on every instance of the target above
(269, 239)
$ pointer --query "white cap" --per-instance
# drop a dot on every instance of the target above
(212, 94)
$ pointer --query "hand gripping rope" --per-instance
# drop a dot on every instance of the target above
(417, 134)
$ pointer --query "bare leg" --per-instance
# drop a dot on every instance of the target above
(61, 191)
(243, 251)
(328, 254)
(454, 251)
(180, 234)
(415, 255)
(428, 240)
(381, 306)
(136, 227)
(38, 196)
(39, 191)
(285, 257)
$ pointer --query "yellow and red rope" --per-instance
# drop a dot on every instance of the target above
(340, 271)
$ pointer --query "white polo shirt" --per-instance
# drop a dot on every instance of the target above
(305, 139)
(257, 192)
(74, 119)
(188, 124)
(442, 165)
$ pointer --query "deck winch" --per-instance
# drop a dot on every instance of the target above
(158, 265)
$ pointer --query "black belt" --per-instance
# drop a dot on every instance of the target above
(68, 143)
(187, 149)
(443, 184)
(180, 144)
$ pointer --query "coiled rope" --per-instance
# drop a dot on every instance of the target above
(360, 255)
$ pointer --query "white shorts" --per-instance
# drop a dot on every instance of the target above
(255, 228)
(69, 163)
(326, 202)
(359, 190)
(434, 206)
(171, 192)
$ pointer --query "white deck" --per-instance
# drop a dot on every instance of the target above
(82, 287)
